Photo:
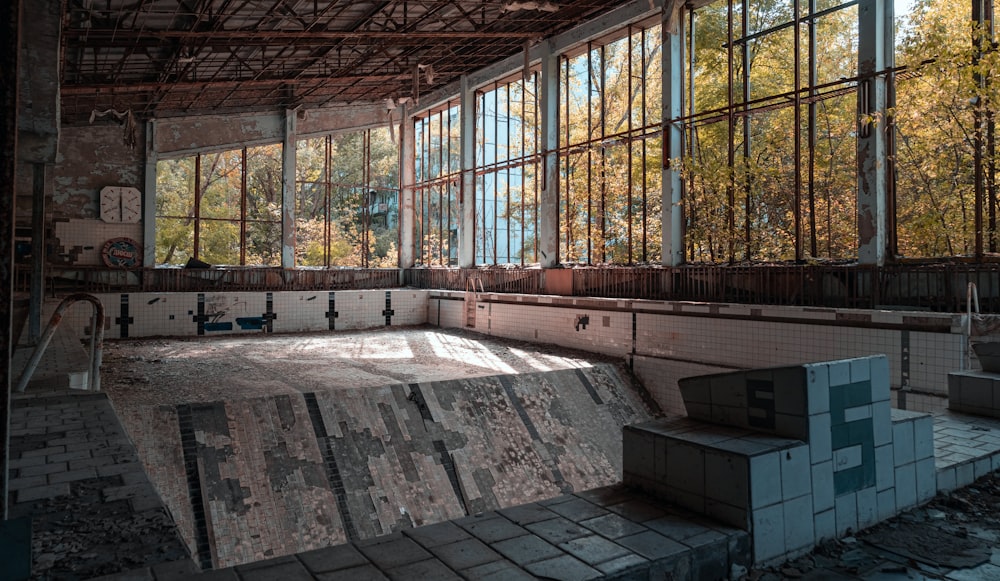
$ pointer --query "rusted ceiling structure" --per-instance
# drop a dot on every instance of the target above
(163, 58)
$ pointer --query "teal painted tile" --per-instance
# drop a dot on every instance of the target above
(847, 480)
(861, 432)
(840, 436)
(858, 393)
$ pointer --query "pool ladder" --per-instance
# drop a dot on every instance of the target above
(473, 286)
(96, 341)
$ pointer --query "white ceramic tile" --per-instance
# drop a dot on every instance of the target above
(881, 422)
(885, 468)
(822, 482)
(638, 447)
(847, 458)
(906, 487)
(902, 442)
(946, 479)
(860, 369)
(728, 390)
(820, 438)
(847, 513)
(923, 438)
(796, 476)
(799, 524)
(791, 426)
(880, 379)
(768, 533)
(857, 413)
(728, 514)
(982, 467)
(825, 525)
(965, 474)
(726, 478)
(886, 504)
(867, 507)
(926, 480)
(818, 387)
(790, 391)
(685, 467)
(765, 480)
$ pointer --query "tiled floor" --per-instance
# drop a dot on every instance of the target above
(77, 475)
(603, 533)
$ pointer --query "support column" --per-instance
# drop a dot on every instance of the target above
(467, 191)
(149, 198)
(875, 47)
(10, 20)
(407, 159)
(37, 251)
(548, 221)
(288, 192)
(673, 132)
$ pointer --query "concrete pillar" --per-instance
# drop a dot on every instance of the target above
(288, 192)
(10, 21)
(37, 251)
(875, 49)
(407, 158)
(548, 212)
(673, 132)
(467, 192)
(149, 198)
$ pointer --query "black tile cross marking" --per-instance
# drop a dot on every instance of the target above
(330, 463)
(332, 313)
(269, 315)
(189, 448)
(388, 312)
(123, 320)
(201, 318)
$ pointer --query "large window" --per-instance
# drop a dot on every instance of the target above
(771, 145)
(347, 200)
(940, 123)
(507, 174)
(611, 150)
(221, 208)
(438, 180)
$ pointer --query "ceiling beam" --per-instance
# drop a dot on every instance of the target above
(121, 38)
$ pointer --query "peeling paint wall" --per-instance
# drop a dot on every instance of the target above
(90, 158)
(186, 135)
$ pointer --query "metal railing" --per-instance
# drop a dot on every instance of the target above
(934, 287)
(96, 341)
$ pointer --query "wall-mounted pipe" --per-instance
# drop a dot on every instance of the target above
(96, 346)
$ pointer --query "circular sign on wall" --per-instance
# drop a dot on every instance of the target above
(122, 253)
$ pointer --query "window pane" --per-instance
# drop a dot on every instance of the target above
(219, 242)
(174, 241)
(221, 188)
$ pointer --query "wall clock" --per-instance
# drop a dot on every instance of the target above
(121, 204)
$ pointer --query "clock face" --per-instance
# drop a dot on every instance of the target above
(121, 204)
(131, 205)
(111, 200)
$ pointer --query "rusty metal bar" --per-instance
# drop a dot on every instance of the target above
(813, 79)
(10, 27)
(730, 117)
(645, 185)
(979, 111)
(243, 207)
(590, 152)
(628, 183)
(797, 146)
(97, 341)
(197, 205)
(747, 177)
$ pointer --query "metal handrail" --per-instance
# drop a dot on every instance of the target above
(971, 298)
(96, 342)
